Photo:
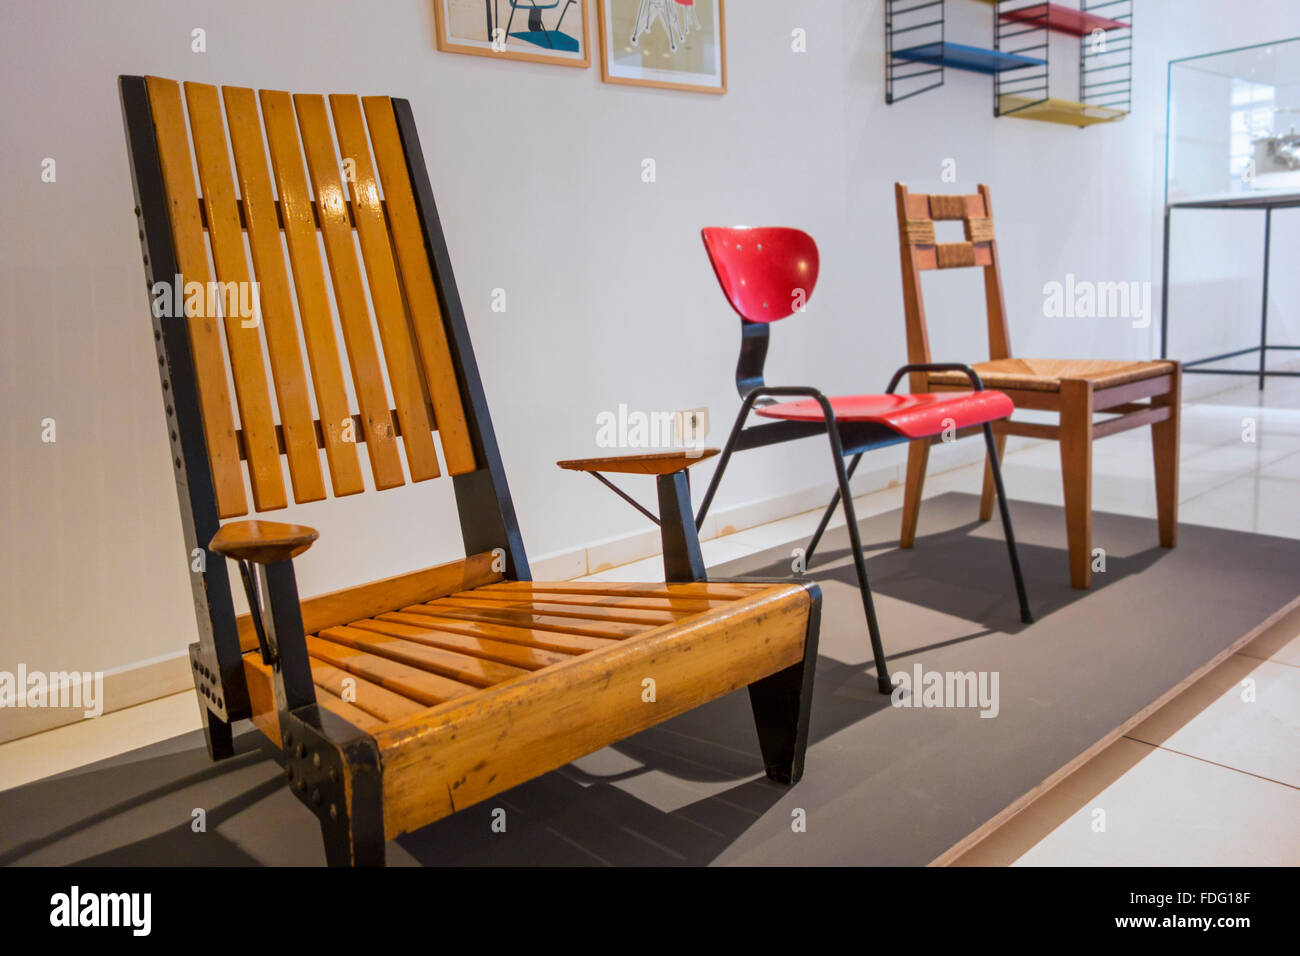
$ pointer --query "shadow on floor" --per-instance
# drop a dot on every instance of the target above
(957, 572)
(569, 816)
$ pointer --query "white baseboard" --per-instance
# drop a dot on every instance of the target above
(124, 686)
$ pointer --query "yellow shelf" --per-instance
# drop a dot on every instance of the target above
(1057, 111)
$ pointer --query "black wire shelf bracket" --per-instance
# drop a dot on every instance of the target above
(1106, 57)
(913, 25)
(1017, 90)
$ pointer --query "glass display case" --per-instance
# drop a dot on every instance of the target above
(1234, 124)
(1234, 144)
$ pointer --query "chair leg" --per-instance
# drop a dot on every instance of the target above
(918, 456)
(826, 516)
(217, 735)
(995, 473)
(353, 846)
(1076, 474)
(333, 768)
(1164, 445)
(782, 705)
(860, 565)
(986, 496)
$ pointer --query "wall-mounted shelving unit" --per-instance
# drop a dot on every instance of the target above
(1105, 32)
(917, 51)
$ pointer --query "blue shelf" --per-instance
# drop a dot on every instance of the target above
(962, 57)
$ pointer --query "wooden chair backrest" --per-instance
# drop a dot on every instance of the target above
(391, 289)
(920, 251)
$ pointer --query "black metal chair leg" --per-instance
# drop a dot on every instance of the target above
(859, 562)
(723, 460)
(996, 467)
(826, 518)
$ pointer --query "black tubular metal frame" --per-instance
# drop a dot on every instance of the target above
(912, 20)
(845, 438)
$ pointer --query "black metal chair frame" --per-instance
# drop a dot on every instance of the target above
(846, 438)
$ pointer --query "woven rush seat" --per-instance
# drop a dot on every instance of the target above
(1045, 375)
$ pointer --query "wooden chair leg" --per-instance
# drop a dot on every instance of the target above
(989, 493)
(918, 455)
(1076, 475)
(1164, 446)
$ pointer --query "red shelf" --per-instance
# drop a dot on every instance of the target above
(1063, 19)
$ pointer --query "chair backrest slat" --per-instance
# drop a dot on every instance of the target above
(417, 282)
(349, 296)
(385, 293)
(243, 339)
(299, 219)
(920, 211)
(192, 259)
(920, 251)
(338, 177)
(261, 219)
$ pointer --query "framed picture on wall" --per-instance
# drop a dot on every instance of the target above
(540, 31)
(670, 44)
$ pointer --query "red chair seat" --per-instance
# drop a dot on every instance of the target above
(913, 416)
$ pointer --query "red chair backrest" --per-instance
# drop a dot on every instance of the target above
(767, 273)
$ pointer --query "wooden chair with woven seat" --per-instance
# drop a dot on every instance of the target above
(1130, 394)
(400, 701)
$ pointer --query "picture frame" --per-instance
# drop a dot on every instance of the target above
(664, 44)
(536, 31)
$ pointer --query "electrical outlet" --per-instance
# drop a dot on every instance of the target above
(691, 427)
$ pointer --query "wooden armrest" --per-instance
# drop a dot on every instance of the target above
(655, 463)
(262, 542)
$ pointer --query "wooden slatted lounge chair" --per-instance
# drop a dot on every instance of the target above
(401, 701)
(1135, 394)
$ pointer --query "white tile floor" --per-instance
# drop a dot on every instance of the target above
(1210, 779)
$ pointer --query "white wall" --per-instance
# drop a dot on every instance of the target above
(610, 296)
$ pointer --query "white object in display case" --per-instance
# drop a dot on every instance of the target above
(1234, 124)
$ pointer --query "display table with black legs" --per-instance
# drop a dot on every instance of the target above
(1266, 204)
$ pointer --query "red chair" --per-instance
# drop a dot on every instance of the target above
(767, 275)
